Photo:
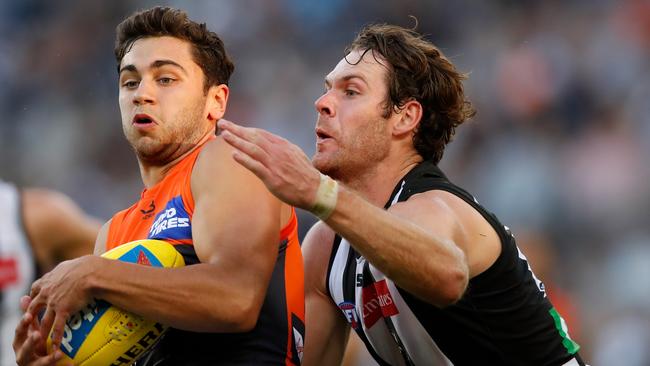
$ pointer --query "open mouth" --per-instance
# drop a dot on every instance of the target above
(143, 119)
(321, 135)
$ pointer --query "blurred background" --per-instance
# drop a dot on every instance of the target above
(557, 150)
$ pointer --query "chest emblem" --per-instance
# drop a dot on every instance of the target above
(377, 303)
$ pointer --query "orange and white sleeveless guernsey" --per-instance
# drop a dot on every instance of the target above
(164, 212)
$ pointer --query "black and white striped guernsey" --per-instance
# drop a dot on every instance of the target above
(504, 317)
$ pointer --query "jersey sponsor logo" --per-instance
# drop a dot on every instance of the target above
(377, 303)
(8, 272)
(172, 223)
(350, 314)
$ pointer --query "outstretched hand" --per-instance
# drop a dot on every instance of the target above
(283, 167)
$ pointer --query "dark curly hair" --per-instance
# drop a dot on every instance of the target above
(417, 70)
(207, 48)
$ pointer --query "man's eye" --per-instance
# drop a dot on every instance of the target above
(351, 93)
(131, 84)
(165, 81)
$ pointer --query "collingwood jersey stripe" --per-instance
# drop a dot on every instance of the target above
(396, 339)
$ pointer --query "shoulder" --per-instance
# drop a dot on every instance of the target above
(215, 152)
(319, 234)
(449, 216)
(434, 204)
(215, 160)
(45, 208)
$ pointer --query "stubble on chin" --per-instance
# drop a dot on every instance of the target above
(165, 146)
(320, 163)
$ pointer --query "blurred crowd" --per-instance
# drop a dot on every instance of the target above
(557, 150)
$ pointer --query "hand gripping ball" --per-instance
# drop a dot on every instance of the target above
(102, 334)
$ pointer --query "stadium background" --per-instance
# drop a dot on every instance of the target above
(558, 149)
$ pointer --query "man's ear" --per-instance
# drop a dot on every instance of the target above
(409, 118)
(217, 101)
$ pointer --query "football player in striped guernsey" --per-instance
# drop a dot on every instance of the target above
(38, 228)
(411, 262)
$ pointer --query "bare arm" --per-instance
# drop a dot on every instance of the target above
(57, 228)
(235, 234)
(414, 243)
(417, 244)
(327, 330)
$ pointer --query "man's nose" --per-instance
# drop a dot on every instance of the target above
(144, 93)
(325, 104)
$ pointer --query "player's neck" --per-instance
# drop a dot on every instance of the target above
(378, 182)
(153, 174)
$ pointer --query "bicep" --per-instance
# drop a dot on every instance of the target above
(452, 220)
(236, 221)
(327, 329)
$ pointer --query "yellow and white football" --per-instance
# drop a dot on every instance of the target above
(102, 334)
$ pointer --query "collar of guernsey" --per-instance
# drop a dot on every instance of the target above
(163, 211)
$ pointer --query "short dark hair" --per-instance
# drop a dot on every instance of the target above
(418, 71)
(207, 48)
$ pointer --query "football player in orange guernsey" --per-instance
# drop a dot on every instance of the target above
(240, 299)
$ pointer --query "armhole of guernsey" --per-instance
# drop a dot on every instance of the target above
(111, 237)
(288, 229)
(186, 192)
(335, 247)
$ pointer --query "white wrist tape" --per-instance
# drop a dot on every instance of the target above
(326, 196)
